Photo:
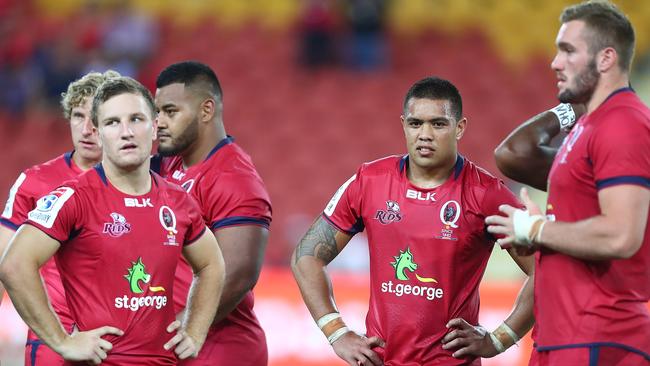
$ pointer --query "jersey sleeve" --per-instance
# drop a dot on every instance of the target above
(57, 213)
(344, 208)
(196, 223)
(22, 199)
(235, 199)
(496, 195)
(619, 151)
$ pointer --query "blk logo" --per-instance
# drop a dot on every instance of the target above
(417, 195)
(137, 202)
(178, 175)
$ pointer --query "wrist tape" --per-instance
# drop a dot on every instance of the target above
(565, 114)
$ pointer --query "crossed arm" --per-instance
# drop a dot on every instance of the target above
(320, 245)
(616, 233)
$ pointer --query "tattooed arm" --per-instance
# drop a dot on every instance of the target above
(320, 245)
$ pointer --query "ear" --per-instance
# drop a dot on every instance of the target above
(460, 128)
(606, 59)
(208, 109)
(154, 125)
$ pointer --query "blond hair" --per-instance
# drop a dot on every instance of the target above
(83, 88)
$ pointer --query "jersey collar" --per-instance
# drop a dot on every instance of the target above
(458, 165)
(227, 140)
(618, 91)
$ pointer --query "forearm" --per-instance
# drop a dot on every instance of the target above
(27, 293)
(521, 319)
(315, 285)
(596, 238)
(203, 300)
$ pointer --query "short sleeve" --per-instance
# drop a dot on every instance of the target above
(56, 213)
(234, 199)
(196, 226)
(496, 195)
(19, 203)
(620, 149)
(344, 208)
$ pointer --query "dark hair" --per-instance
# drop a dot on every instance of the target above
(117, 86)
(190, 73)
(437, 89)
(609, 28)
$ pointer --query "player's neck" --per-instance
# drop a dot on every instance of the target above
(605, 88)
(83, 164)
(208, 138)
(133, 182)
(429, 178)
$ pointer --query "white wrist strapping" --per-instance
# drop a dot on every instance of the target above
(523, 223)
(337, 334)
(323, 320)
(565, 114)
(506, 328)
(497, 343)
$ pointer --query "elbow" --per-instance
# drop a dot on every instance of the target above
(625, 247)
(507, 160)
(8, 273)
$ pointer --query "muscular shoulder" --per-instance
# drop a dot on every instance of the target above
(382, 167)
(43, 177)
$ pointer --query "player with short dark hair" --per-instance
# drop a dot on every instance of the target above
(423, 213)
(40, 179)
(593, 261)
(203, 159)
(118, 231)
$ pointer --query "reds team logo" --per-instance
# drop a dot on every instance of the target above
(118, 227)
(392, 213)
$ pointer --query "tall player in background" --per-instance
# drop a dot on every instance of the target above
(207, 162)
(593, 265)
(118, 231)
(38, 180)
(423, 213)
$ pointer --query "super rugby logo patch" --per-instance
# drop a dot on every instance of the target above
(48, 207)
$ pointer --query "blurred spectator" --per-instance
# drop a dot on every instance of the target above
(130, 40)
(366, 48)
(318, 34)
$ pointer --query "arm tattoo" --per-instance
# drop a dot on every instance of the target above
(319, 242)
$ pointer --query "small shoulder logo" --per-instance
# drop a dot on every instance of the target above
(392, 213)
(118, 227)
(168, 222)
(187, 185)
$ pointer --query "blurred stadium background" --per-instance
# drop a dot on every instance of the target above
(312, 88)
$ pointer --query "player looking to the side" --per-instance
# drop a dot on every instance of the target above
(40, 179)
(204, 160)
(423, 213)
(593, 262)
(118, 231)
